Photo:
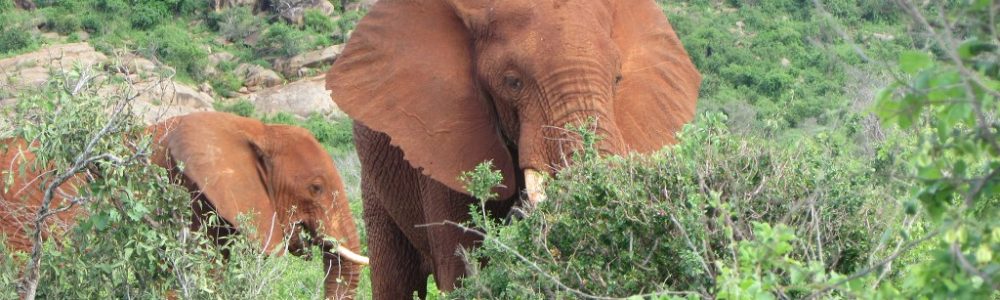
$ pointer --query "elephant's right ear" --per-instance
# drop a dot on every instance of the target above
(407, 71)
(225, 157)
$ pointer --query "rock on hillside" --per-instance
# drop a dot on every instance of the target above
(299, 64)
(32, 69)
(156, 97)
(361, 5)
(255, 76)
(223, 4)
(293, 11)
(301, 98)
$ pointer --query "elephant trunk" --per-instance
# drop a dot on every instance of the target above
(548, 148)
(342, 261)
(578, 96)
(342, 270)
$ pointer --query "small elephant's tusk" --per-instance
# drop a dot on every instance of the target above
(534, 183)
(351, 256)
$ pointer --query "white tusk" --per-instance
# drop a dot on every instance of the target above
(351, 256)
(534, 183)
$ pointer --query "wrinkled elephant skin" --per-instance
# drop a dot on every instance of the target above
(279, 175)
(439, 86)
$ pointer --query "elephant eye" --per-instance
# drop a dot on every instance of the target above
(315, 189)
(513, 82)
(618, 79)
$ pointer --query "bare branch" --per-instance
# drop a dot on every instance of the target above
(29, 281)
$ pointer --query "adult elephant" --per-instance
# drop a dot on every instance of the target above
(439, 86)
(234, 165)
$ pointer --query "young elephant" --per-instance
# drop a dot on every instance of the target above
(278, 175)
(237, 165)
(22, 196)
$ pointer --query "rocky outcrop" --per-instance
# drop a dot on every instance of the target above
(298, 65)
(31, 70)
(301, 98)
(156, 96)
(215, 59)
(360, 5)
(25, 4)
(293, 11)
(224, 4)
(158, 100)
(256, 77)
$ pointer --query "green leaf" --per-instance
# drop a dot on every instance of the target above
(913, 61)
(972, 47)
(100, 221)
(930, 172)
(885, 107)
(958, 112)
(980, 4)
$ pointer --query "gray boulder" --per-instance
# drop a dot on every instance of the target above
(301, 98)
(294, 66)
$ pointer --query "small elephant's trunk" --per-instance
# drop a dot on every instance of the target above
(342, 268)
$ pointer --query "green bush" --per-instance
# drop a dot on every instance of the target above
(187, 7)
(226, 83)
(237, 24)
(281, 40)
(147, 14)
(132, 239)
(946, 98)
(336, 134)
(242, 108)
(347, 22)
(93, 24)
(670, 221)
(113, 6)
(6, 5)
(14, 40)
(174, 45)
(781, 57)
(132, 214)
(62, 22)
(16, 34)
(319, 22)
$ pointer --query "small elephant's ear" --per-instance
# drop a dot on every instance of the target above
(407, 71)
(659, 87)
(225, 157)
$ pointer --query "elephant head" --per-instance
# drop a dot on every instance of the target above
(458, 82)
(279, 175)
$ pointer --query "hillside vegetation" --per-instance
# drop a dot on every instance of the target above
(842, 149)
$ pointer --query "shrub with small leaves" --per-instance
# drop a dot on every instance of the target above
(147, 14)
(949, 98)
(672, 221)
(318, 21)
(281, 40)
(238, 23)
(16, 34)
(172, 44)
(61, 21)
(242, 108)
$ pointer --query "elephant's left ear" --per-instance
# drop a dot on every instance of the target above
(659, 86)
(225, 157)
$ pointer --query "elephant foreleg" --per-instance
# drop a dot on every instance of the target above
(447, 241)
(395, 263)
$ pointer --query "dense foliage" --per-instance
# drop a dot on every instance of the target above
(179, 33)
(677, 220)
(786, 186)
(133, 239)
(804, 198)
